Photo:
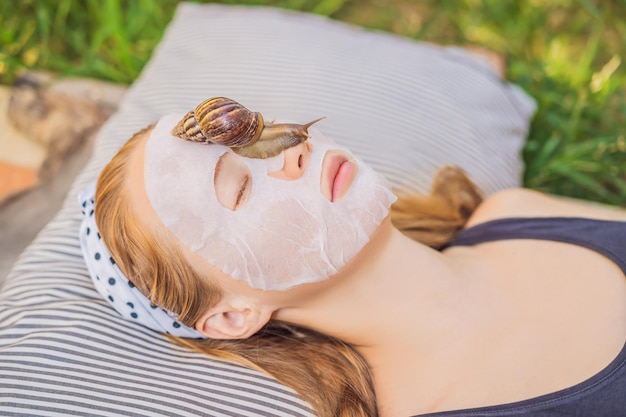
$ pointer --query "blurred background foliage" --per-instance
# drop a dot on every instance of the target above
(568, 54)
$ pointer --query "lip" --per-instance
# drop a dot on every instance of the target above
(338, 173)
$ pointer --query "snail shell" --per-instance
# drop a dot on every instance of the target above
(223, 121)
(220, 120)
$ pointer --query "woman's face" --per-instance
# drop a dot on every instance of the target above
(274, 223)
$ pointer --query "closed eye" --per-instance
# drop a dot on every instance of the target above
(242, 191)
(232, 180)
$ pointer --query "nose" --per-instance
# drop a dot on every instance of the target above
(295, 163)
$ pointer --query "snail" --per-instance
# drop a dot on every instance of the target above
(223, 121)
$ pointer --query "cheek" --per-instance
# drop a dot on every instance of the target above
(284, 241)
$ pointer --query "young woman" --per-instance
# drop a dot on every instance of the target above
(293, 265)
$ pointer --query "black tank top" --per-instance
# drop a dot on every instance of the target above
(602, 395)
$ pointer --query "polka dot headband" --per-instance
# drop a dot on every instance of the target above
(125, 298)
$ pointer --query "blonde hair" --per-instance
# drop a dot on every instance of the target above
(326, 372)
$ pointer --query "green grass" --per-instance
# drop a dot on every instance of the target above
(568, 54)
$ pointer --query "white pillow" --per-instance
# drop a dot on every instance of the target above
(406, 107)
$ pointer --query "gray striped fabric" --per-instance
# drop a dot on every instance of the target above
(405, 107)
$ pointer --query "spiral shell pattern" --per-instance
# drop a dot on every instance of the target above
(222, 121)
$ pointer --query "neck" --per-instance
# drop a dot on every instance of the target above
(397, 292)
(409, 310)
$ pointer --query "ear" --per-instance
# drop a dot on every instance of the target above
(228, 321)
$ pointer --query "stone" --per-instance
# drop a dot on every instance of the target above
(43, 120)
(59, 114)
(20, 157)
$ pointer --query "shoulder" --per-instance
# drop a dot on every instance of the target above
(522, 202)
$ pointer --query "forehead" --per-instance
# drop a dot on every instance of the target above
(148, 217)
(178, 180)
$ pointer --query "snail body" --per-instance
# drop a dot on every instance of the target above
(223, 121)
(274, 139)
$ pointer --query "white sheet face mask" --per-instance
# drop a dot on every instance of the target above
(284, 232)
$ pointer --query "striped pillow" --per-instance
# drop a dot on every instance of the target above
(405, 107)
